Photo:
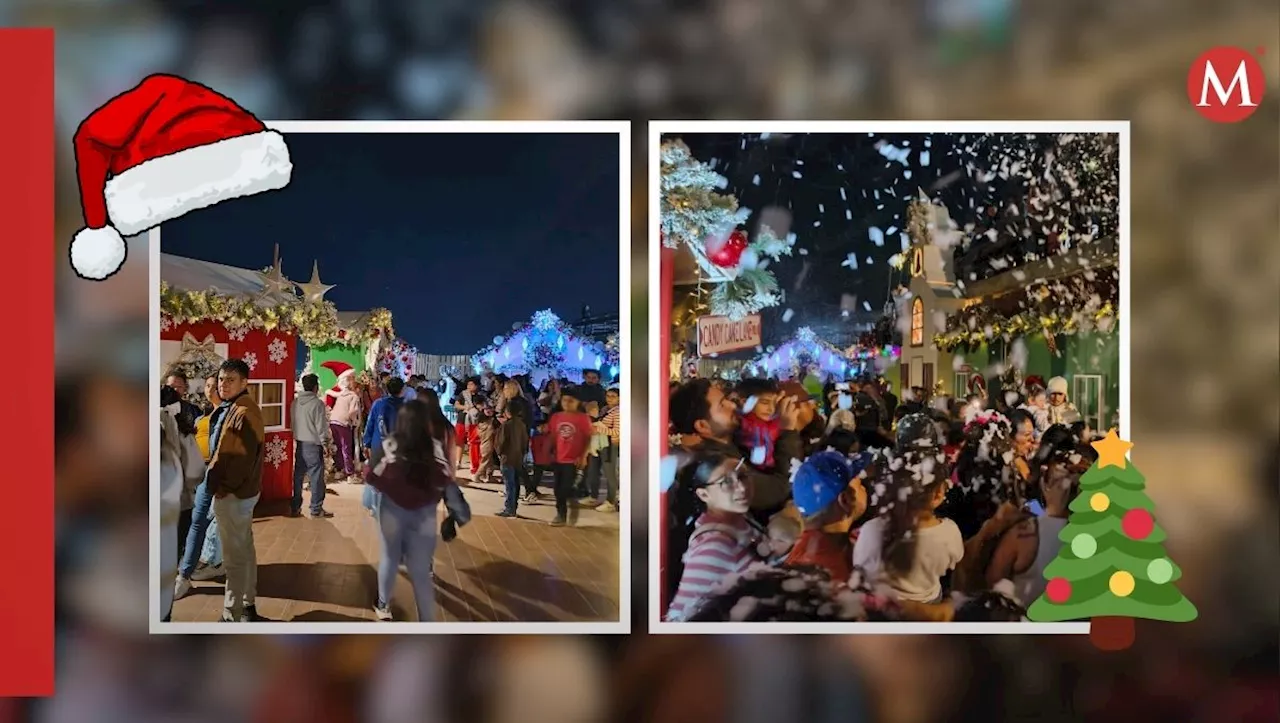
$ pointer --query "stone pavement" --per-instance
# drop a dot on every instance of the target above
(495, 570)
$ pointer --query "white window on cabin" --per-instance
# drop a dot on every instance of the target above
(269, 394)
(961, 384)
(1087, 395)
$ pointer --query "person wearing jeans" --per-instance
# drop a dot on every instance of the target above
(408, 535)
(311, 433)
(512, 443)
(410, 470)
(609, 456)
(201, 516)
(235, 481)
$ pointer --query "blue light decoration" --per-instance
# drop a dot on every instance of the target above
(804, 350)
(544, 347)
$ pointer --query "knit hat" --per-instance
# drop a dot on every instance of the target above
(158, 151)
(819, 481)
(1058, 385)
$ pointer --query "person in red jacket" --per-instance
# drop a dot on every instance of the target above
(571, 428)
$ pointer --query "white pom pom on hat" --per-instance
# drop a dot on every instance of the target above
(97, 253)
(159, 151)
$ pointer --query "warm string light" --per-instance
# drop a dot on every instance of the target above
(316, 324)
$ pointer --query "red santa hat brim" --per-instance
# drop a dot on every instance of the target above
(168, 187)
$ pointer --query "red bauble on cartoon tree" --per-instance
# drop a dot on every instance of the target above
(728, 254)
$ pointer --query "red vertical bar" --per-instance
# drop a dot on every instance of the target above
(666, 267)
(26, 205)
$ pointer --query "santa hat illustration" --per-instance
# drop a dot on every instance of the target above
(343, 370)
(159, 151)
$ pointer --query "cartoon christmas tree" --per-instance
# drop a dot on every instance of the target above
(1112, 567)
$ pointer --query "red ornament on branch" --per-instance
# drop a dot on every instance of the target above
(729, 254)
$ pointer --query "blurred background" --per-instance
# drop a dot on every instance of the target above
(1206, 344)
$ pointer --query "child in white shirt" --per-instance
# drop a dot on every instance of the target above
(909, 547)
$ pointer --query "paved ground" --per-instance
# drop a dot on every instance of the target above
(495, 570)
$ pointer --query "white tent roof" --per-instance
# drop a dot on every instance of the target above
(187, 274)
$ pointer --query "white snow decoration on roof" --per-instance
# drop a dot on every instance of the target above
(184, 274)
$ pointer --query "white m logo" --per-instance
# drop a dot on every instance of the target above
(1241, 78)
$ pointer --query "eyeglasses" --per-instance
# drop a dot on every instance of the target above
(730, 479)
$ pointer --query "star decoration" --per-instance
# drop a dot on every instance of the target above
(1112, 450)
(274, 285)
(314, 290)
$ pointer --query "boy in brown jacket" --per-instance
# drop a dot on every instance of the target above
(235, 481)
(512, 443)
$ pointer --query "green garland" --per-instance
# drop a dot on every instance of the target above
(1066, 306)
(314, 324)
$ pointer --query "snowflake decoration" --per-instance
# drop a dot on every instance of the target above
(252, 360)
(277, 350)
(545, 320)
(806, 334)
(276, 453)
(237, 333)
(166, 323)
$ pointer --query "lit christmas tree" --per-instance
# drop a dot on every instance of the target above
(1113, 567)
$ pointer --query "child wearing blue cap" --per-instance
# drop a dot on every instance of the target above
(827, 492)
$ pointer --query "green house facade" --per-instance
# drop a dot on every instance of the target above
(1088, 360)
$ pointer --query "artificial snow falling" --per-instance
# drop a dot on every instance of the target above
(966, 288)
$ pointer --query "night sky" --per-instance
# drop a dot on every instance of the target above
(805, 173)
(459, 235)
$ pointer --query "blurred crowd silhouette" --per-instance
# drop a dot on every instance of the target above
(1206, 341)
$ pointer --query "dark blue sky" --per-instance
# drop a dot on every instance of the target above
(459, 235)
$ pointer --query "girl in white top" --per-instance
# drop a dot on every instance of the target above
(907, 546)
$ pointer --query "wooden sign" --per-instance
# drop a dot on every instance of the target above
(719, 334)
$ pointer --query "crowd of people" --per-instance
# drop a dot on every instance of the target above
(517, 435)
(396, 437)
(811, 502)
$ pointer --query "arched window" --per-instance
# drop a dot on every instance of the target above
(917, 323)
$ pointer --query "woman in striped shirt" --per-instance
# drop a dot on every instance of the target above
(711, 538)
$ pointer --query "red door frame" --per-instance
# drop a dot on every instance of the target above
(666, 266)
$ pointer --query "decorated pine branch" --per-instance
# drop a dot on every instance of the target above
(694, 214)
(1113, 566)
